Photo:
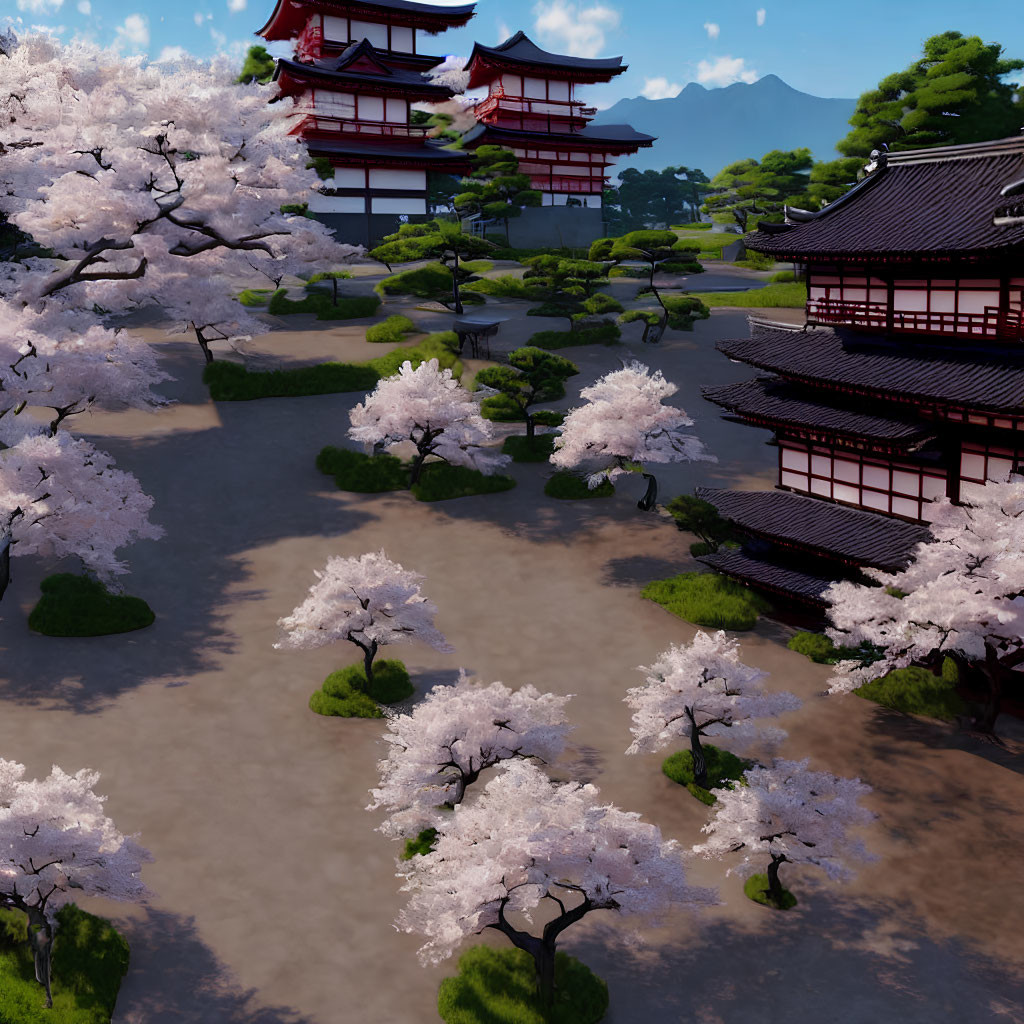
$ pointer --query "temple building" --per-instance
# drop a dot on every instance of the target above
(532, 108)
(356, 71)
(907, 382)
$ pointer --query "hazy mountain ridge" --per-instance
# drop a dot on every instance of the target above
(710, 128)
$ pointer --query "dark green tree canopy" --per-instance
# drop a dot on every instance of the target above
(495, 189)
(258, 66)
(954, 93)
(533, 375)
(748, 191)
(653, 199)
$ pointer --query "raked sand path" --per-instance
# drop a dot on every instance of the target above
(274, 895)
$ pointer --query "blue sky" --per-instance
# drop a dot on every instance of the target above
(817, 46)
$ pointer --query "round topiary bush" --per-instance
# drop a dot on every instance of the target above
(756, 888)
(723, 767)
(344, 693)
(497, 986)
(569, 486)
(82, 606)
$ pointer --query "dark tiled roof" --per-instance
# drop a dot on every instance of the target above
(432, 18)
(864, 538)
(841, 358)
(387, 150)
(613, 134)
(776, 578)
(520, 49)
(333, 70)
(777, 403)
(925, 202)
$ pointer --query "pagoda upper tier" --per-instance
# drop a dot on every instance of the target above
(324, 27)
(520, 55)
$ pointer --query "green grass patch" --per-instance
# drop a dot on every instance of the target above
(529, 449)
(607, 334)
(756, 888)
(74, 605)
(723, 767)
(423, 282)
(421, 845)
(255, 296)
(698, 226)
(391, 331)
(782, 275)
(440, 481)
(680, 267)
(442, 346)
(708, 599)
(785, 294)
(344, 693)
(350, 307)
(820, 649)
(89, 960)
(476, 266)
(497, 986)
(501, 409)
(569, 486)
(507, 286)
(916, 691)
(365, 474)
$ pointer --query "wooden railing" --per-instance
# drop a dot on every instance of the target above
(318, 121)
(1005, 324)
(534, 106)
(589, 186)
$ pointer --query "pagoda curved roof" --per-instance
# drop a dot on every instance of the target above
(950, 201)
(363, 64)
(613, 135)
(779, 579)
(832, 357)
(428, 150)
(289, 16)
(519, 51)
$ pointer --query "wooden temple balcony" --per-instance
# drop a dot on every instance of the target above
(1000, 324)
(330, 125)
(584, 186)
(497, 103)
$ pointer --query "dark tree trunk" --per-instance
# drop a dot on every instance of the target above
(774, 885)
(369, 653)
(544, 961)
(203, 343)
(334, 282)
(40, 939)
(991, 674)
(646, 503)
(456, 296)
(531, 427)
(700, 766)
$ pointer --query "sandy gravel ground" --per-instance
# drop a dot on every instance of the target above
(275, 897)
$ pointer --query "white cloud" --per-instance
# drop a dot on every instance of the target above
(761, 12)
(50, 30)
(198, 17)
(712, 29)
(171, 53)
(40, 6)
(84, 7)
(134, 33)
(725, 71)
(572, 28)
(218, 37)
(660, 88)
(234, 6)
(504, 32)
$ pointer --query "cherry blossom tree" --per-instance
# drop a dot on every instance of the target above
(700, 689)
(369, 601)
(55, 841)
(527, 842)
(64, 497)
(623, 423)
(141, 178)
(428, 407)
(959, 597)
(787, 814)
(453, 735)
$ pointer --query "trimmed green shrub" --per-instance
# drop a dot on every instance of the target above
(683, 310)
(916, 691)
(344, 693)
(569, 486)
(756, 888)
(440, 481)
(698, 226)
(548, 418)
(229, 382)
(819, 648)
(73, 605)
(476, 266)
(366, 474)
(255, 296)
(680, 267)
(631, 272)
(502, 409)
(791, 294)
(392, 330)
(608, 334)
(422, 282)
(782, 275)
(497, 986)
(421, 845)
(527, 449)
(701, 518)
(508, 286)
(756, 261)
(89, 960)
(723, 768)
(708, 599)
(504, 252)
(350, 307)
(702, 548)
(442, 346)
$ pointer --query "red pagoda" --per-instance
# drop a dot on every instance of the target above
(907, 382)
(356, 70)
(531, 108)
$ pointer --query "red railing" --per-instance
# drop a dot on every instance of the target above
(590, 186)
(330, 123)
(1006, 324)
(532, 105)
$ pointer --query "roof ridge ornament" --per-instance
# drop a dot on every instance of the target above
(879, 158)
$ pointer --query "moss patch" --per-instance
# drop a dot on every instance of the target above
(608, 334)
(497, 986)
(80, 606)
(529, 449)
(344, 693)
(756, 888)
(569, 486)
(89, 960)
(917, 691)
(723, 767)
(440, 481)
(708, 599)
(421, 845)
(255, 296)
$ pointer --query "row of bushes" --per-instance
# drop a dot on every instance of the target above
(607, 334)
(351, 307)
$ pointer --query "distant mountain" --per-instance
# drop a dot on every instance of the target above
(710, 128)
